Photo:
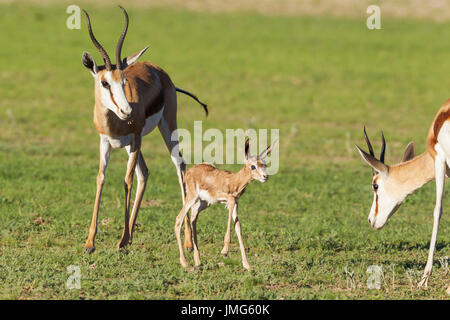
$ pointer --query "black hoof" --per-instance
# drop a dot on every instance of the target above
(89, 250)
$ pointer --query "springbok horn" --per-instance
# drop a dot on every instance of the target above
(383, 147)
(369, 145)
(121, 39)
(105, 56)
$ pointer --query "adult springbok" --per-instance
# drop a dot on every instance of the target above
(206, 185)
(391, 184)
(131, 99)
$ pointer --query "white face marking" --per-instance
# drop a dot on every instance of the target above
(113, 96)
(384, 205)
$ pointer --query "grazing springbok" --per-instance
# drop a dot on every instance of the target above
(391, 184)
(206, 185)
(131, 99)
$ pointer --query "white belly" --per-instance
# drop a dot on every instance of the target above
(121, 142)
(205, 196)
(152, 121)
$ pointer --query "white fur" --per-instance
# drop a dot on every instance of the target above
(205, 196)
(120, 142)
(118, 93)
(152, 121)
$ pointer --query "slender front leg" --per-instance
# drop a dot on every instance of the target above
(168, 127)
(227, 239)
(237, 228)
(133, 151)
(440, 181)
(142, 177)
(178, 224)
(105, 151)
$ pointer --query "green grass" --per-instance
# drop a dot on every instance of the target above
(318, 80)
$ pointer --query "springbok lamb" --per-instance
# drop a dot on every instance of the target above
(131, 99)
(391, 184)
(206, 185)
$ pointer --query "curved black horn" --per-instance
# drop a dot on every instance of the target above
(97, 44)
(369, 145)
(383, 147)
(121, 39)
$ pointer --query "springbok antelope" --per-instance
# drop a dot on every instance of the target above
(206, 185)
(393, 183)
(131, 99)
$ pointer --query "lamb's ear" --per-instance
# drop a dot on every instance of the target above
(247, 148)
(89, 63)
(133, 58)
(409, 152)
(376, 164)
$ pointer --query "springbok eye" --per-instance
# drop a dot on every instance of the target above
(105, 84)
(375, 186)
(253, 167)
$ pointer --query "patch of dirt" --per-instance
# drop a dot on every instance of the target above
(106, 221)
(40, 221)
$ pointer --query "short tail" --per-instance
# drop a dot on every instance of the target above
(193, 97)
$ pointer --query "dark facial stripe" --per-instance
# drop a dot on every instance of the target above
(376, 198)
(376, 206)
(112, 98)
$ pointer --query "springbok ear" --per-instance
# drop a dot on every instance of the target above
(376, 164)
(269, 149)
(133, 58)
(409, 152)
(89, 63)
(247, 148)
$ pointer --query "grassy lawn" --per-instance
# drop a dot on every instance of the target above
(318, 80)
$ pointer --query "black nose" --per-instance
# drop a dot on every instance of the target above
(125, 114)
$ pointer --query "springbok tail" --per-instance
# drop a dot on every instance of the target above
(193, 96)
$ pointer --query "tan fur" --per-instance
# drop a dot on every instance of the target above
(221, 186)
(442, 116)
(405, 177)
(146, 88)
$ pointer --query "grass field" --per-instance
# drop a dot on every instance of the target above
(317, 79)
